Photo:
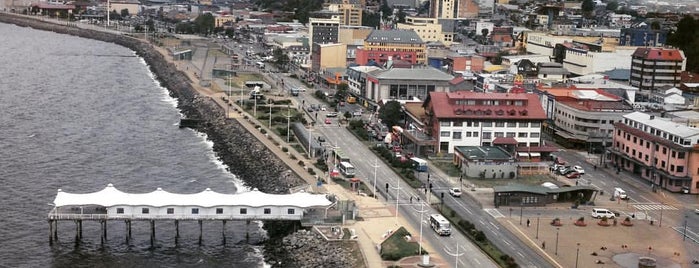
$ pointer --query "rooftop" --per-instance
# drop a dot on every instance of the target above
(427, 73)
(483, 153)
(663, 124)
(394, 36)
(444, 106)
(110, 196)
(659, 54)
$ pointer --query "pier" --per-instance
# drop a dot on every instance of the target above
(111, 204)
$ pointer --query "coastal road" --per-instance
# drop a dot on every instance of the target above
(370, 169)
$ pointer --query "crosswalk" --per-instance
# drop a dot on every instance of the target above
(494, 212)
(654, 207)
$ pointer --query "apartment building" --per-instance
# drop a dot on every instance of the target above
(653, 67)
(349, 12)
(430, 29)
(454, 9)
(326, 56)
(322, 31)
(662, 152)
(584, 117)
(466, 118)
(403, 45)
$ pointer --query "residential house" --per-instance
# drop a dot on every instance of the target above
(652, 68)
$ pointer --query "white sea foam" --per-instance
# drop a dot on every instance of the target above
(211, 155)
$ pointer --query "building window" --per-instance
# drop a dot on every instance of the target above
(536, 124)
(511, 134)
(499, 124)
(664, 150)
(475, 134)
(291, 211)
(145, 210)
(511, 124)
(487, 124)
(243, 211)
(456, 135)
(120, 210)
(170, 210)
(534, 135)
(522, 134)
(445, 123)
(486, 135)
(268, 211)
(468, 134)
(219, 210)
(458, 123)
(672, 168)
(444, 134)
(499, 134)
(680, 155)
(195, 211)
(523, 124)
(680, 169)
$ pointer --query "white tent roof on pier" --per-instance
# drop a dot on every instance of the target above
(110, 196)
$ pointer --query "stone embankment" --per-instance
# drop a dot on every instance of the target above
(312, 250)
(237, 148)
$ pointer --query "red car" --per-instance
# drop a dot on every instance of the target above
(328, 121)
(573, 175)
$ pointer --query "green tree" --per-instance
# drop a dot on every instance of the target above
(370, 19)
(342, 91)
(204, 24)
(498, 58)
(401, 16)
(612, 5)
(686, 38)
(281, 58)
(385, 10)
(125, 13)
(391, 113)
(587, 7)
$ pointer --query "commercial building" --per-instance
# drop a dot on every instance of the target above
(403, 45)
(322, 31)
(326, 56)
(664, 153)
(397, 83)
(349, 12)
(467, 118)
(454, 9)
(652, 68)
(430, 29)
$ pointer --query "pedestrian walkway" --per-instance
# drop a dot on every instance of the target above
(654, 206)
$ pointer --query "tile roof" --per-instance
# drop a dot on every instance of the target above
(444, 109)
(394, 36)
(662, 54)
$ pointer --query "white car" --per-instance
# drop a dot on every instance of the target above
(579, 169)
(455, 192)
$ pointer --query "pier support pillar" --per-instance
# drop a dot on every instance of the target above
(177, 231)
(51, 231)
(200, 231)
(152, 232)
(223, 232)
(80, 229)
(103, 233)
(127, 224)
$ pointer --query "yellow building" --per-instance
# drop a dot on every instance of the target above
(328, 56)
(349, 13)
(430, 29)
(220, 20)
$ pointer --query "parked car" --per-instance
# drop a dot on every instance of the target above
(579, 169)
(455, 192)
(573, 175)
(331, 114)
(696, 210)
(323, 108)
(328, 121)
(602, 212)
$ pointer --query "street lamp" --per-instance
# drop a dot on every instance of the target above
(521, 211)
(270, 116)
(684, 233)
(556, 252)
(310, 154)
(660, 223)
(288, 119)
(538, 215)
(422, 210)
(577, 253)
(376, 165)
(455, 255)
(397, 194)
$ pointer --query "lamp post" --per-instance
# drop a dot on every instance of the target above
(521, 211)
(397, 194)
(288, 119)
(310, 154)
(538, 215)
(228, 105)
(455, 255)
(422, 210)
(660, 223)
(577, 253)
(270, 116)
(684, 233)
(376, 165)
(556, 252)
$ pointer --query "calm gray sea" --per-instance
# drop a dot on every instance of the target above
(77, 114)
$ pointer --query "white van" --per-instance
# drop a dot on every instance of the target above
(602, 212)
(620, 193)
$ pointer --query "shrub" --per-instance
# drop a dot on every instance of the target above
(479, 236)
(301, 163)
(284, 149)
(264, 131)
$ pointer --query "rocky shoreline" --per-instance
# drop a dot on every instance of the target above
(237, 148)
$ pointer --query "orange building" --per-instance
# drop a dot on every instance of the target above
(381, 45)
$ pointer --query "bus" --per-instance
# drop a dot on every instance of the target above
(347, 169)
(339, 156)
(440, 224)
(419, 164)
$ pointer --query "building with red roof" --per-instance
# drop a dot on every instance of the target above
(466, 118)
(654, 67)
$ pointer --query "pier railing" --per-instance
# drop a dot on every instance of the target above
(78, 216)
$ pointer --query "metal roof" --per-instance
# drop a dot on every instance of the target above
(394, 36)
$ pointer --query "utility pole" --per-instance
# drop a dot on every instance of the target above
(288, 119)
(376, 165)
(455, 255)
(397, 194)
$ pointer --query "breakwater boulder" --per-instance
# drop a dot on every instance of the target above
(242, 152)
(307, 248)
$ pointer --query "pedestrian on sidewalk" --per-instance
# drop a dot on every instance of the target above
(528, 222)
(411, 200)
(543, 245)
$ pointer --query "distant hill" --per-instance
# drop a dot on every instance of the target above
(301, 8)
